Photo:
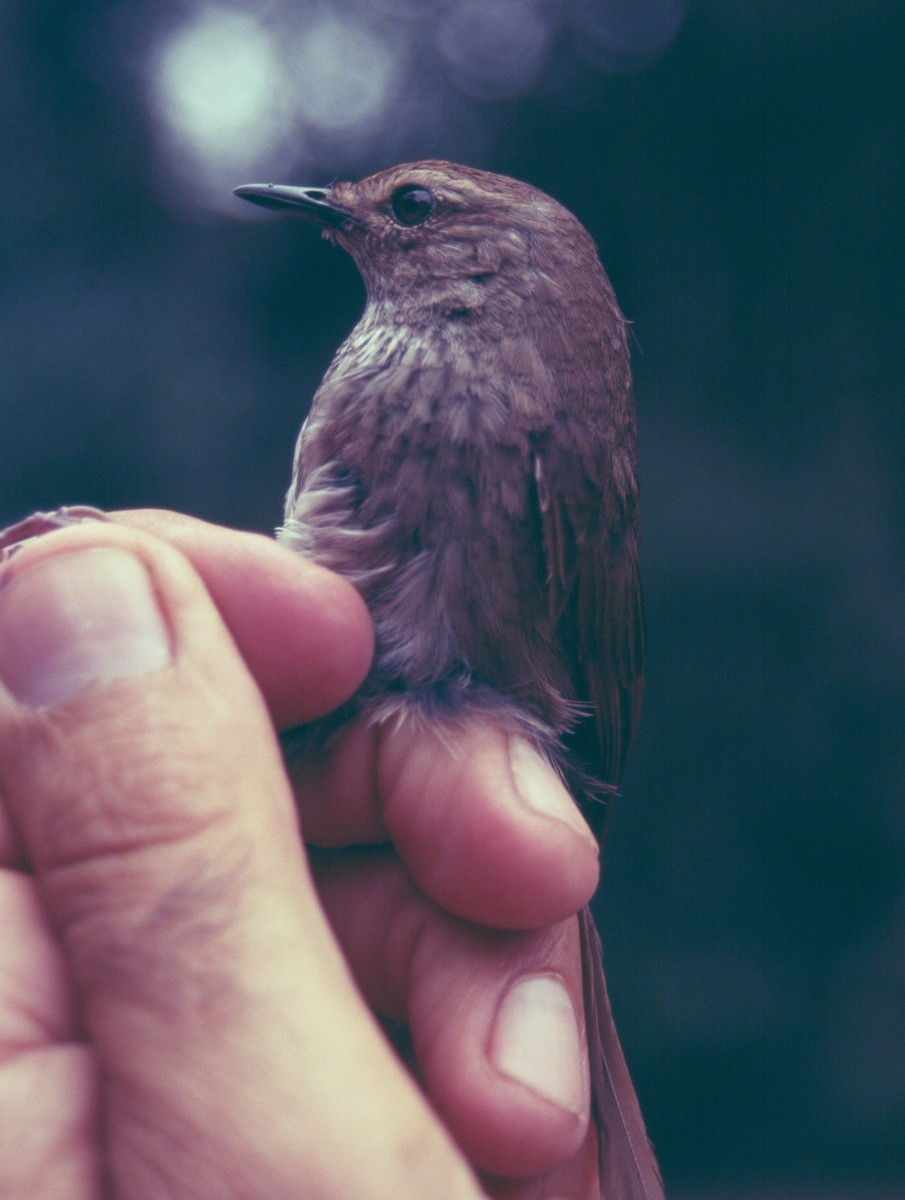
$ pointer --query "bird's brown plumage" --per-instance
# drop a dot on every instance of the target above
(469, 463)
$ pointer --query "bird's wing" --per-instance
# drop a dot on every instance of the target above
(590, 538)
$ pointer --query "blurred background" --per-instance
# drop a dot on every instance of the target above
(740, 166)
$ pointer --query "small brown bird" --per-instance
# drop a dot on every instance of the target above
(469, 464)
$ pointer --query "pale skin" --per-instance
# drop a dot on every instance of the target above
(187, 996)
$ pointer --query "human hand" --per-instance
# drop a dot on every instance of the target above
(168, 966)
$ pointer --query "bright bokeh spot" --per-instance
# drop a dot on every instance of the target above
(494, 48)
(343, 74)
(216, 84)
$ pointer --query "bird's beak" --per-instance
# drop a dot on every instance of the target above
(314, 204)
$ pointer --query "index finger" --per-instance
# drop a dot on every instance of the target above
(280, 608)
(482, 822)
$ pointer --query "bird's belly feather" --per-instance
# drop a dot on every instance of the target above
(454, 584)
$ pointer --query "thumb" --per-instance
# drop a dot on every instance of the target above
(143, 777)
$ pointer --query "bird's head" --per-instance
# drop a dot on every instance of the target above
(433, 239)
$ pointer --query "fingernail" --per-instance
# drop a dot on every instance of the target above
(76, 620)
(535, 1040)
(542, 790)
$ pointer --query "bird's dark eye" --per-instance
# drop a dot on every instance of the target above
(411, 205)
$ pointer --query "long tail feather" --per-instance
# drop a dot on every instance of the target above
(628, 1168)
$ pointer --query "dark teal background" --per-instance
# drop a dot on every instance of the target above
(746, 191)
